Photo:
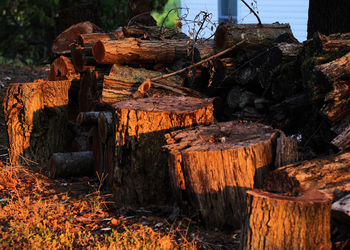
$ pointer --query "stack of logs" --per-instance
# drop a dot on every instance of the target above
(112, 105)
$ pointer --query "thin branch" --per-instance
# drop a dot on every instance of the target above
(141, 91)
(250, 8)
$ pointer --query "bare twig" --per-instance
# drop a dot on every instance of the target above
(250, 8)
(155, 79)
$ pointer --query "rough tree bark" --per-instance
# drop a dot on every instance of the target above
(36, 116)
(62, 69)
(140, 172)
(211, 167)
(275, 221)
(327, 174)
(328, 17)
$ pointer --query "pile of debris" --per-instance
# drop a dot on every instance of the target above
(162, 118)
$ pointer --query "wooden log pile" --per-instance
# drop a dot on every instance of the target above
(135, 106)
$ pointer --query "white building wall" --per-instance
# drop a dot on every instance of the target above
(195, 7)
(294, 12)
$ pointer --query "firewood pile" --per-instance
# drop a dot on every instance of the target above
(130, 107)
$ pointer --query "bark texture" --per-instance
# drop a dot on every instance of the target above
(36, 116)
(275, 221)
(62, 69)
(140, 172)
(327, 174)
(211, 167)
(135, 51)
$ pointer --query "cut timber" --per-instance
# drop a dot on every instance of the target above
(327, 174)
(341, 209)
(82, 57)
(36, 116)
(62, 43)
(123, 81)
(211, 167)
(136, 51)
(88, 40)
(90, 91)
(71, 164)
(140, 172)
(334, 76)
(87, 118)
(275, 221)
(227, 34)
(62, 69)
(286, 151)
(105, 126)
(153, 32)
(342, 141)
(97, 148)
(333, 43)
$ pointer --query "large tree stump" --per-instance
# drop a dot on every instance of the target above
(275, 221)
(36, 116)
(212, 166)
(140, 173)
(327, 174)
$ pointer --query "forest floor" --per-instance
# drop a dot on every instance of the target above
(39, 212)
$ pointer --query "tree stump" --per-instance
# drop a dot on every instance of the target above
(140, 172)
(212, 167)
(36, 116)
(275, 221)
(327, 174)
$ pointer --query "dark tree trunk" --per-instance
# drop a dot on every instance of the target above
(328, 17)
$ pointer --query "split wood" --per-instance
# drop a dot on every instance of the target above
(146, 85)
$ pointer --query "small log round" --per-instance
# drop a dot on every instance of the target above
(71, 164)
(105, 125)
(211, 167)
(140, 171)
(62, 69)
(89, 39)
(275, 221)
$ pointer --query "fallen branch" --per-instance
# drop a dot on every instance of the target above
(142, 90)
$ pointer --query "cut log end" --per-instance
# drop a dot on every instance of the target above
(99, 52)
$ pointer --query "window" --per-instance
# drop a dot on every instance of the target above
(227, 8)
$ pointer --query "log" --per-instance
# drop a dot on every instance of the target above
(327, 174)
(82, 57)
(105, 126)
(140, 173)
(342, 141)
(275, 221)
(333, 76)
(36, 116)
(97, 148)
(211, 167)
(134, 51)
(80, 142)
(341, 209)
(123, 81)
(71, 164)
(62, 43)
(62, 69)
(153, 32)
(228, 34)
(87, 118)
(88, 40)
(286, 150)
(90, 90)
(334, 43)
